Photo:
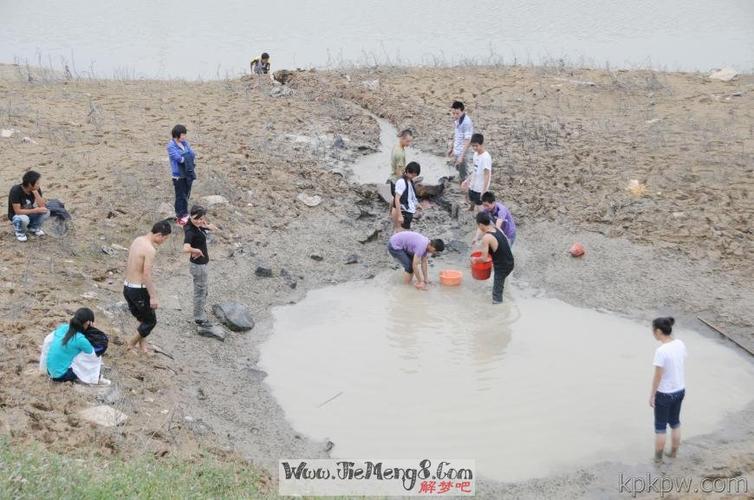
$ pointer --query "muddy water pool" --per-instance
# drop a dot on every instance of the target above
(375, 168)
(527, 388)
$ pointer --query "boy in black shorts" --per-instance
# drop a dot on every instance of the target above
(138, 288)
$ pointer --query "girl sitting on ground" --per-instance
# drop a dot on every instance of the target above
(68, 345)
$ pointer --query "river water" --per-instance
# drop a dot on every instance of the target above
(194, 38)
(529, 388)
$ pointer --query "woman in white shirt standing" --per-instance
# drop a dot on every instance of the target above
(668, 386)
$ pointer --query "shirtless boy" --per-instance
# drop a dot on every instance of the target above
(138, 289)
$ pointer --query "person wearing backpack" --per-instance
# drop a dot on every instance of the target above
(72, 352)
(404, 198)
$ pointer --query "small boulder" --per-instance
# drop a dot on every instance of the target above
(257, 374)
(233, 315)
(7, 133)
(371, 84)
(212, 331)
(214, 199)
(263, 272)
(352, 259)
(309, 201)
(103, 415)
(289, 279)
(369, 236)
(724, 75)
(316, 257)
(424, 191)
(282, 76)
(281, 91)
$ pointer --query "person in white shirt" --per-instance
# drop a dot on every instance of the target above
(463, 129)
(668, 386)
(404, 199)
(479, 180)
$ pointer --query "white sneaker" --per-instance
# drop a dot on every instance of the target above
(103, 381)
(38, 232)
(21, 237)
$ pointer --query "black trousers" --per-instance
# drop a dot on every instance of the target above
(498, 282)
(182, 187)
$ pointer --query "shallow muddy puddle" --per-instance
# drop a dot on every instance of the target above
(375, 168)
(528, 388)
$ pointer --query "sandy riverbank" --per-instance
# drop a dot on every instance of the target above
(567, 151)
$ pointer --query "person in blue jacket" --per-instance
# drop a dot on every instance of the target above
(68, 341)
(182, 170)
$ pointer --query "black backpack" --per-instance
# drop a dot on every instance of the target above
(404, 196)
(98, 339)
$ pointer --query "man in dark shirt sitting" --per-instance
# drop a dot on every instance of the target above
(26, 207)
(195, 244)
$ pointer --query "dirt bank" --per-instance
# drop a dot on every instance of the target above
(567, 149)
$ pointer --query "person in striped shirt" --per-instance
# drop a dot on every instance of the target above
(462, 132)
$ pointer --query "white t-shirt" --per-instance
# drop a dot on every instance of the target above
(482, 162)
(670, 358)
(400, 187)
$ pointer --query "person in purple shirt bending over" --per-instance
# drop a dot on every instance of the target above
(501, 216)
(412, 251)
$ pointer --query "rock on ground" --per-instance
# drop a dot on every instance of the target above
(429, 190)
(103, 415)
(724, 75)
(234, 315)
(214, 199)
(263, 272)
(212, 331)
(309, 201)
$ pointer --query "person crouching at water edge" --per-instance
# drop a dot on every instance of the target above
(412, 250)
(495, 245)
(668, 386)
(72, 352)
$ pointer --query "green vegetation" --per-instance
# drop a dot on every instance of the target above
(30, 472)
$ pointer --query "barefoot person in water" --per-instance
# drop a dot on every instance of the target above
(668, 386)
(138, 289)
(494, 245)
(412, 251)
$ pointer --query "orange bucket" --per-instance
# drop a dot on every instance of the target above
(450, 277)
(481, 270)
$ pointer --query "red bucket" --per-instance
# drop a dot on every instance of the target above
(481, 270)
